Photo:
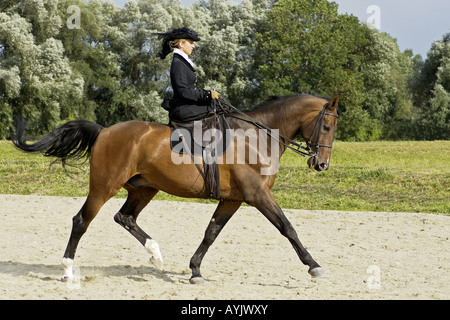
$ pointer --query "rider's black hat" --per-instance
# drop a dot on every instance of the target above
(167, 37)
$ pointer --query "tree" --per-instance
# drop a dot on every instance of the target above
(226, 54)
(105, 68)
(89, 50)
(386, 71)
(307, 45)
(144, 76)
(431, 88)
(36, 78)
(114, 52)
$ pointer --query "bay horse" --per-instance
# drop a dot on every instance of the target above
(135, 155)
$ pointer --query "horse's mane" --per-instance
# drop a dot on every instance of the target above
(275, 98)
(275, 104)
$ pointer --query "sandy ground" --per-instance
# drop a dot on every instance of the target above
(366, 255)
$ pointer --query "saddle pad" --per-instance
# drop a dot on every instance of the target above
(210, 132)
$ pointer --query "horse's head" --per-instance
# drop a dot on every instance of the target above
(319, 134)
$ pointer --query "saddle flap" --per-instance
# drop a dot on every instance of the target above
(211, 132)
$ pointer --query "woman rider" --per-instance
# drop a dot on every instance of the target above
(188, 102)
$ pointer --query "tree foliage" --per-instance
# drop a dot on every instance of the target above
(102, 65)
(431, 91)
(36, 79)
(307, 45)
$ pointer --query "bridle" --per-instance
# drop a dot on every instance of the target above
(299, 148)
(315, 135)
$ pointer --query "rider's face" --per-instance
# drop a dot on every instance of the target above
(187, 46)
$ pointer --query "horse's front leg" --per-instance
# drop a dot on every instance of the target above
(267, 205)
(223, 213)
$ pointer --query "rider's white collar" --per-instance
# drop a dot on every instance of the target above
(184, 55)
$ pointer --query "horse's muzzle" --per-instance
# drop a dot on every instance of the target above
(313, 163)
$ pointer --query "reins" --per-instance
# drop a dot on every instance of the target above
(296, 147)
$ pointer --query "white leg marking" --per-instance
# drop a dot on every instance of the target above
(153, 249)
(68, 269)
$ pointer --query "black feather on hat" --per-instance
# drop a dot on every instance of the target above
(181, 33)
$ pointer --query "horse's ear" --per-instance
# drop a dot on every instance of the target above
(334, 102)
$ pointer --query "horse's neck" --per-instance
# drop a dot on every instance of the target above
(286, 115)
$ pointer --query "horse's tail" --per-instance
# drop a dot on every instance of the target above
(73, 140)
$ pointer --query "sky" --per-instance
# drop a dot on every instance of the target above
(414, 23)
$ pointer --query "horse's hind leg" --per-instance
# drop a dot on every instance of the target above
(137, 199)
(80, 224)
(223, 213)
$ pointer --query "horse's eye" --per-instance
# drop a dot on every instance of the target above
(326, 128)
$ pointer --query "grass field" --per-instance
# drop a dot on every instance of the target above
(373, 176)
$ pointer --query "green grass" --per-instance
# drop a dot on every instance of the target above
(373, 176)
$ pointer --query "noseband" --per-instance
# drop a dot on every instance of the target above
(315, 135)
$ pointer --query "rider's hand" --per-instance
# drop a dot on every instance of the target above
(214, 95)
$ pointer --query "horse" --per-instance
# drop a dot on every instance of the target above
(135, 155)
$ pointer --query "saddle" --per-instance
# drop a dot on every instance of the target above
(208, 138)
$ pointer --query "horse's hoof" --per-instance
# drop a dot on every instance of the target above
(317, 273)
(155, 254)
(197, 280)
(158, 263)
(68, 270)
